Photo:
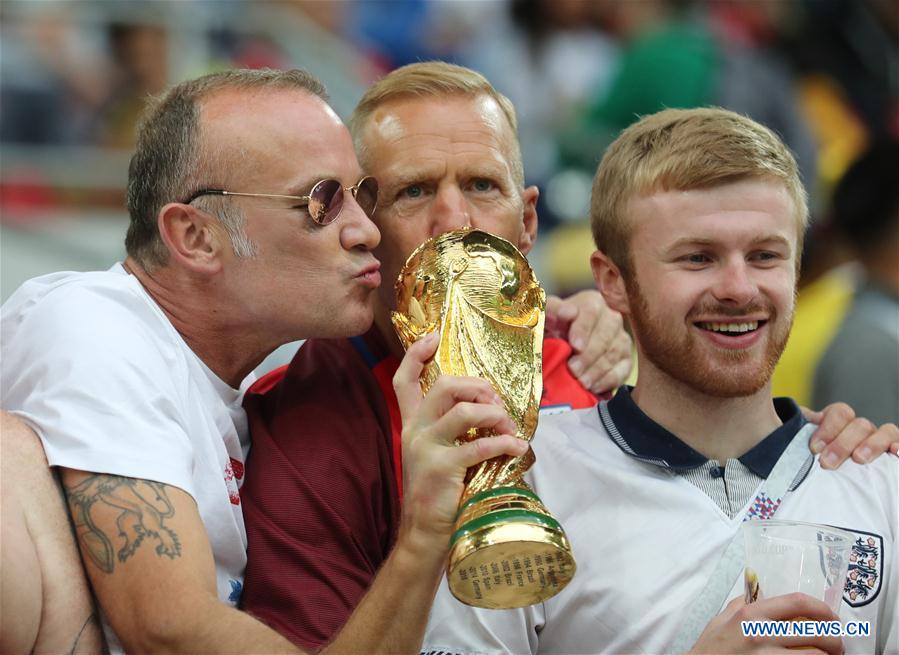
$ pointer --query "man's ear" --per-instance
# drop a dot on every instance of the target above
(193, 237)
(610, 282)
(529, 218)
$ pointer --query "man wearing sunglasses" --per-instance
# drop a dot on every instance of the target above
(442, 143)
(250, 227)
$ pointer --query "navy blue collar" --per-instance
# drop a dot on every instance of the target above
(641, 437)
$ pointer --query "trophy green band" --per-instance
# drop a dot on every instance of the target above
(481, 296)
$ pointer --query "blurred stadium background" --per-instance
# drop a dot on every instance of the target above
(74, 75)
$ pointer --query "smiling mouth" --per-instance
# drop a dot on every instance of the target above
(730, 329)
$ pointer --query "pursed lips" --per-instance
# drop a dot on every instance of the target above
(370, 275)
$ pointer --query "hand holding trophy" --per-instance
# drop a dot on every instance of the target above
(478, 292)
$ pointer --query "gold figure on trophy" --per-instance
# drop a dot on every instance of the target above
(481, 295)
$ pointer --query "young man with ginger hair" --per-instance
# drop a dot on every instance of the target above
(698, 216)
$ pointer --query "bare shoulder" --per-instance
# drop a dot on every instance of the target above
(20, 598)
(42, 575)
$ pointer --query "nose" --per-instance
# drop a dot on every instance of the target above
(735, 284)
(449, 211)
(357, 230)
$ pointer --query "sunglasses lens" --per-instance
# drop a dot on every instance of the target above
(325, 201)
(367, 195)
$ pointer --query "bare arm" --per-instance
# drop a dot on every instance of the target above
(151, 566)
(44, 594)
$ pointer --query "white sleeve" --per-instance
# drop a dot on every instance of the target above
(457, 629)
(890, 615)
(96, 376)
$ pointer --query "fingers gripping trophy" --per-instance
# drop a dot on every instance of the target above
(479, 293)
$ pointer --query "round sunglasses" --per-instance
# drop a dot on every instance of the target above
(323, 203)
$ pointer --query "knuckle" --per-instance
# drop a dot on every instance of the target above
(442, 382)
(482, 448)
(444, 385)
(621, 351)
(592, 309)
(865, 425)
(802, 603)
(603, 363)
(398, 377)
(840, 449)
(745, 613)
(473, 415)
(484, 385)
(619, 348)
(843, 410)
(463, 412)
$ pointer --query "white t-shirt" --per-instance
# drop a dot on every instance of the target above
(646, 541)
(92, 363)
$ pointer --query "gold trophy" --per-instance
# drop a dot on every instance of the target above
(479, 293)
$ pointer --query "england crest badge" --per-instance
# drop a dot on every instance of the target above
(865, 568)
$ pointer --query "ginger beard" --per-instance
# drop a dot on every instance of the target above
(703, 367)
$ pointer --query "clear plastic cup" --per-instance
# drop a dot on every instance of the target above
(787, 556)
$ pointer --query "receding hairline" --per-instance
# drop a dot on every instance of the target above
(217, 105)
(220, 94)
(433, 79)
(429, 79)
(359, 121)
(495, 121)
(390, 104)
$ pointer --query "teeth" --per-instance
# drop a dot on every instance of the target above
(733, 328)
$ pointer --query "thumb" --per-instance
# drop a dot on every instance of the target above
(406, 379)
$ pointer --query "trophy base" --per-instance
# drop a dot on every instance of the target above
(508, 551)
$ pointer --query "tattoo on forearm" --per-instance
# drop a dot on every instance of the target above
(94, 624)
(139, 508)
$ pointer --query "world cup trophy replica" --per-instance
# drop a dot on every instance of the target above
(481, 296)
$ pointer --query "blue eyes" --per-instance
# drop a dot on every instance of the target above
(419, 191)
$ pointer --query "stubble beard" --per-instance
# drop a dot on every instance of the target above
(722, 373)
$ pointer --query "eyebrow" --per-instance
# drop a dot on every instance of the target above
(704, 241)
(303, 187)
(424, 175)
(406, 178)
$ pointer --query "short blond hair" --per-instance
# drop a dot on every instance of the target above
(680, 150)
(427, 80)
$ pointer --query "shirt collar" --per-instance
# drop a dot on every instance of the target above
(641, 437)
